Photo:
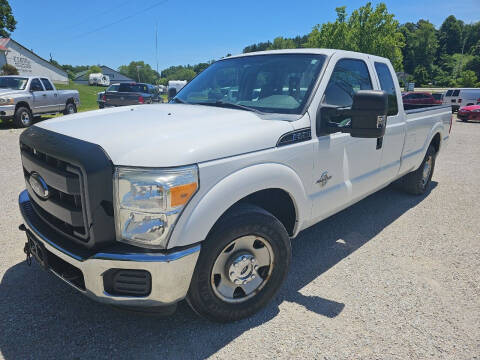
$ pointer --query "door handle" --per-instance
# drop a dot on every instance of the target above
(55, 94)
(44, 94)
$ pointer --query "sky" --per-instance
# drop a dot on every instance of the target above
(113, 33)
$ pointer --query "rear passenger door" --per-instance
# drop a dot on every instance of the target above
(52, 102)
(394, 137)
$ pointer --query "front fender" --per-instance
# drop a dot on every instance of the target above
(206, 208)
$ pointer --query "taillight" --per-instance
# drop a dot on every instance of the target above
(104, 97)
(141, 100)
(478, 101)
(459, 101)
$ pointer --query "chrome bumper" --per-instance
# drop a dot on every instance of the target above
(7, 110)
(170, 273)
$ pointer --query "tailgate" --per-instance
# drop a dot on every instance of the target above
(121, 98)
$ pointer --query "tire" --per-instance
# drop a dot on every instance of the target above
(418, 181)
(70, 108)
(245, 224)
(23, 117)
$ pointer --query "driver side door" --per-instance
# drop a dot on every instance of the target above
(346, 168)
(40, 99)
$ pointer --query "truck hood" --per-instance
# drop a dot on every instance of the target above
(164, 135)
(9, 91)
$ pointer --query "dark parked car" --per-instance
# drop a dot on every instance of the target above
(101, 95)
(413, 100)
(131, 94)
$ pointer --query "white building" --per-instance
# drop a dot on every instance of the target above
(115, 76)
(29, 63)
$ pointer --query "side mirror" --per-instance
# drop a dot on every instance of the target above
(365, 119)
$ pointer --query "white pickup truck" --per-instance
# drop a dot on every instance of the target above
(143, 206)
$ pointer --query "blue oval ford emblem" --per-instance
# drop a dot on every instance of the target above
(39, 186)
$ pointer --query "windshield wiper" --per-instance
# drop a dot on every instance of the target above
(231, 105)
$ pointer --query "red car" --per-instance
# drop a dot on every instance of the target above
(471, 112)
(413, 100)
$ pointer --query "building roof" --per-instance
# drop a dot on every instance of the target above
(3, 47)
(79, 75)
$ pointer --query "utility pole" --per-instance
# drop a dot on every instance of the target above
(156, 44)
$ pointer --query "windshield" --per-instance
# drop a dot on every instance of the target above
(16, 83)
(280, 83)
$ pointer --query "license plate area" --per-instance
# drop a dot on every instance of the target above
(50, 261)
(37, 250)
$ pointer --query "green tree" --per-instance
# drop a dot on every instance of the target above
(282, 43)
(451, 36)
(468, 79)
(369, 30)
(139, 71)
(8, 69)
(94, 69)
(7, 21)
(420, 45)
(474, 65)
(421, 75)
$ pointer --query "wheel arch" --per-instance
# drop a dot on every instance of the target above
(290, 204)
(23, 104)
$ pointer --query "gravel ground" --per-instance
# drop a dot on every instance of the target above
(393, 277)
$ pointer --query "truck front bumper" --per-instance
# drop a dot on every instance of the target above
(170, 273)
(7, 110)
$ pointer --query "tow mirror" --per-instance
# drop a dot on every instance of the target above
(365, 119)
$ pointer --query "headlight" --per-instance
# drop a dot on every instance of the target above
(149, 201)
(6, 101)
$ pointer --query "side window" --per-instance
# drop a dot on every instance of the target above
(349, 76)
(46, 83)
(35, 85)
(387, 85)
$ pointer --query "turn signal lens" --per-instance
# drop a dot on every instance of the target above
(179, 195)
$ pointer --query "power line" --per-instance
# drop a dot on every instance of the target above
(122, 19)
(96, 15)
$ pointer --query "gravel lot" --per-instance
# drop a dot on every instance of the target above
(393, 277)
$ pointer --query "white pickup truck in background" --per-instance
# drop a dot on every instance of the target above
(142, 206)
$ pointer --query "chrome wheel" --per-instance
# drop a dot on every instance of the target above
(25, 118)
(427, 169)
(242, 269)
(70, 109)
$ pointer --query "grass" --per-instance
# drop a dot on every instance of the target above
(88, 94)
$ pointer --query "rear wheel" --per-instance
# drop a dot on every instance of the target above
(242, 264)
(417, 181)
(70, 108)
(23, 117)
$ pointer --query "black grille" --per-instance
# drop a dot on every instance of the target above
(63, 210)
(78, 175)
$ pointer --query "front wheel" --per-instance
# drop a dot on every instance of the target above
(23, 117)
(242, 264)
(70, 108)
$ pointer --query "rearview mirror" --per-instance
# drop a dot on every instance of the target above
(365, 119)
